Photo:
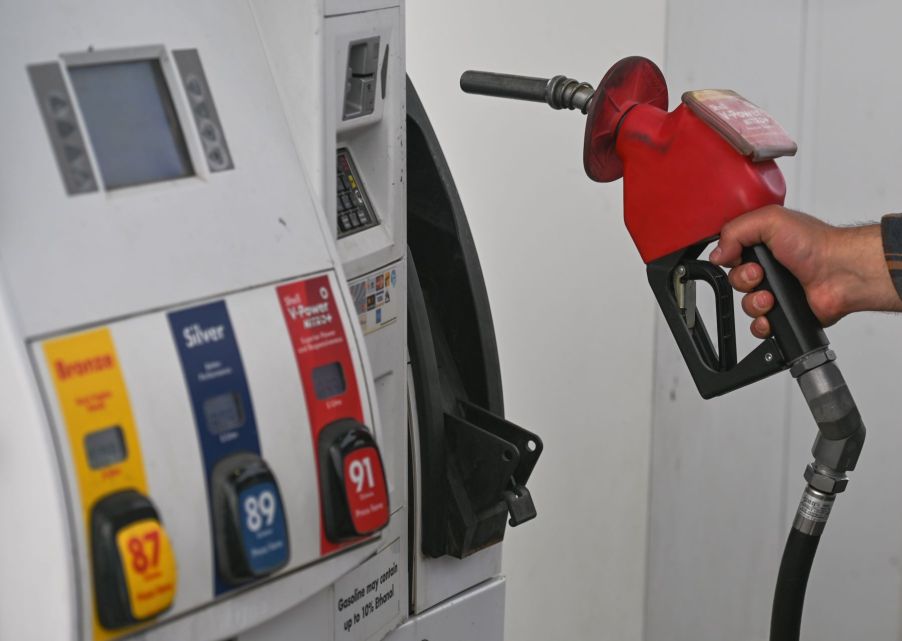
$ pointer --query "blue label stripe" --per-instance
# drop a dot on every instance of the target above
(220, 397)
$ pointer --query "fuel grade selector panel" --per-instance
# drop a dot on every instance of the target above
(132, 564)
(348, 460)
(249, 527)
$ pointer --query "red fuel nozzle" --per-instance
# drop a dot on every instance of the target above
(682, 177)
(687, 172)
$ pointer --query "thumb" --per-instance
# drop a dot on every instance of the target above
(753, 228)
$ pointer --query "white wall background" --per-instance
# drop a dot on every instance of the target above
(727, 473)
(572, 310)
(574, 320)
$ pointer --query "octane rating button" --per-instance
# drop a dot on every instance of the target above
(251, 532)
(149, 567)
(365, 489)
(134, 566)
(355, 495)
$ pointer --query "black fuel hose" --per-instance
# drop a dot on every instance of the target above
(789, 595)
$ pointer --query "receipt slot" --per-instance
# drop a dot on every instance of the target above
(355, 500)
(251, 535)
(134, 568)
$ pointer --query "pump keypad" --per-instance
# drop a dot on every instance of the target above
(354, 211)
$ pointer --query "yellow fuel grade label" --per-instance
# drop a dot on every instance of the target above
(106, 453)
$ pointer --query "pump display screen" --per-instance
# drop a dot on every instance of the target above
(223, 413)
(328, 381)
(131, 122)
(105, 447)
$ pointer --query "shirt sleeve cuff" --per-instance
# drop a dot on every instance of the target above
(891, 230)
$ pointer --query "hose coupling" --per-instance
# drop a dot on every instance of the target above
(562, 92)
(813, 512)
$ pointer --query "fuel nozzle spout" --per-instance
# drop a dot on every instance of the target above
(558, 92)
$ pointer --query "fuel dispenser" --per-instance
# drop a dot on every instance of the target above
(401, 232)
(233, 407)
(685, 174)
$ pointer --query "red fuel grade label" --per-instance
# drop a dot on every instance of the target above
(313, 317)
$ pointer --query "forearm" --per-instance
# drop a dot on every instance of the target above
(891, 231)
(860, 274)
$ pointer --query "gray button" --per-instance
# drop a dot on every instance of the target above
(59, 106)
(201, 110)
(64, 128)
(81, 164)
(208, 131)
(83, 181)
(195, 87)
(216, 157)
(72, 152)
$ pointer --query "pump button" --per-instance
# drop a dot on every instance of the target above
(251, 532)
(133, 561)
(355, 495)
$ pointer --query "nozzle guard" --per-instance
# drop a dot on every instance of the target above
(632, 81)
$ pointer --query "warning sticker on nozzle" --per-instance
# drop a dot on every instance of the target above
(746, 126)
(368, 599)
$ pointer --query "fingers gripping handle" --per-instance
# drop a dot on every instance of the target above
(794, 326)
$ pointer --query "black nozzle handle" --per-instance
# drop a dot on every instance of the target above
(793, 324)
(558, 92)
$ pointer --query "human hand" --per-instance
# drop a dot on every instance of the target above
(841, 269)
